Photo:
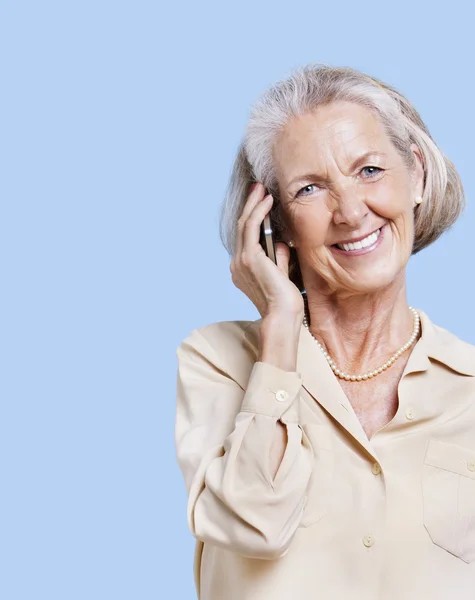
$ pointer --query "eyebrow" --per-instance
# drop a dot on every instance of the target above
(356, 163)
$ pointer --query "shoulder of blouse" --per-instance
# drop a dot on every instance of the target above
(230, 346)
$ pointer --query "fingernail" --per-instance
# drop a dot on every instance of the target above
(253, 186)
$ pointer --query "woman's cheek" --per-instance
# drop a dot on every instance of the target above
(313, 226)
(391, 196)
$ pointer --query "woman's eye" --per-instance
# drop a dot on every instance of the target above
(371, 171)
(299, 193)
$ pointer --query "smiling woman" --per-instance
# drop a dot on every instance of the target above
(317, 440)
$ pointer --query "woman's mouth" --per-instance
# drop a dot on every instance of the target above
(364, 246)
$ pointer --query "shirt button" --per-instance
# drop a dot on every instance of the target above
(376, 469)
(281, 395)
(368, 540)
(410, 413)
(471, 465)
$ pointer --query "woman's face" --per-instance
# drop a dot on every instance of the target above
(341, 180)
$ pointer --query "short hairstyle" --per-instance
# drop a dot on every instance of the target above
(318, 84)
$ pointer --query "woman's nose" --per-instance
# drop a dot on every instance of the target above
(350, 208)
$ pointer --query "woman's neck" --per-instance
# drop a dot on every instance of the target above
(361, 331)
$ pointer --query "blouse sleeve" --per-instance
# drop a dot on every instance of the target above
(223, 437)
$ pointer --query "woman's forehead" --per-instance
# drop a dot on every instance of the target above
(342, 132)
(338, 124)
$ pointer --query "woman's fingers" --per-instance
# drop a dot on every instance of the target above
(270, 289)
(282, 252)
(256, 193)
(255, 196)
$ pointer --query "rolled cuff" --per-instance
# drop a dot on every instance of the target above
(273, 392)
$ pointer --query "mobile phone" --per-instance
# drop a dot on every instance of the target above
(266, 238)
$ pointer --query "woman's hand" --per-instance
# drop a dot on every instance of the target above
(266, 284)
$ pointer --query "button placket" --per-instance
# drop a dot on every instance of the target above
(368, 540)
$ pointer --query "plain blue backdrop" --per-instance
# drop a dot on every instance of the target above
(119, 124)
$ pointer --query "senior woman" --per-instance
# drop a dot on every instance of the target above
(328, 448)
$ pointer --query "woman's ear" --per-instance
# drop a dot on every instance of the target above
(418, 171)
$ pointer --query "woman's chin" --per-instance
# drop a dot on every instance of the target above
(374, 279)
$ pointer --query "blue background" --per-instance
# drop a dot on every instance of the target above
(119, 125)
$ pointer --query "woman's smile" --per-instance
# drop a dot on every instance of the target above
(360, 246)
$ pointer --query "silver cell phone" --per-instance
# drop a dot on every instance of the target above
(266, 237)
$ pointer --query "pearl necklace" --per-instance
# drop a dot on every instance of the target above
(387, 364)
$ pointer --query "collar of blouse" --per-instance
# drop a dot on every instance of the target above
(446, 348)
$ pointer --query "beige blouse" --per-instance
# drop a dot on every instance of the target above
(391, 518)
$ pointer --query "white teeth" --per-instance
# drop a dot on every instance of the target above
(367, 241)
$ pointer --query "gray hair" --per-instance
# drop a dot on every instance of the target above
(306, 89)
